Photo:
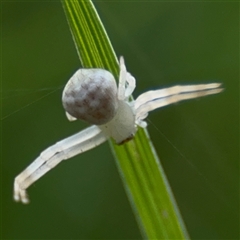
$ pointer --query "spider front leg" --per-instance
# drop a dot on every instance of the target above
(152, 100)
(49, 158)
(127, 82)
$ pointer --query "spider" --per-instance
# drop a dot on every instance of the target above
(92, 95)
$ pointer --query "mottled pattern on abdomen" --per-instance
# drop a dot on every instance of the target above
(91, 95)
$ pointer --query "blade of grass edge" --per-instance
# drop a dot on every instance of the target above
(144, 180)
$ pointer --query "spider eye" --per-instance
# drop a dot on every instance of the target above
(91, 95)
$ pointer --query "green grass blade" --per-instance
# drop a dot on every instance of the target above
(143, 177)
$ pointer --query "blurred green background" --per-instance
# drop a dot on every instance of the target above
(164, 43)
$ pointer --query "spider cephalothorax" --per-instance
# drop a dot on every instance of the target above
(92, 95)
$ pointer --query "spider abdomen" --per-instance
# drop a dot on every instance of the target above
(91, 95)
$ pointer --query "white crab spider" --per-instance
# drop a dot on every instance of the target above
(92, 95)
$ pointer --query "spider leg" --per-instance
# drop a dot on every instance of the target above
(125, 78)
(152, 100)
(131, 85)
(122, 79)
(49, 158)
(161, 93)
(70, 117)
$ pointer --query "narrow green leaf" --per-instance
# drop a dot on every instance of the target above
(143, 177)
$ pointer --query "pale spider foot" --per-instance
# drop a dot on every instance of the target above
(20, 195)
(141, 123)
